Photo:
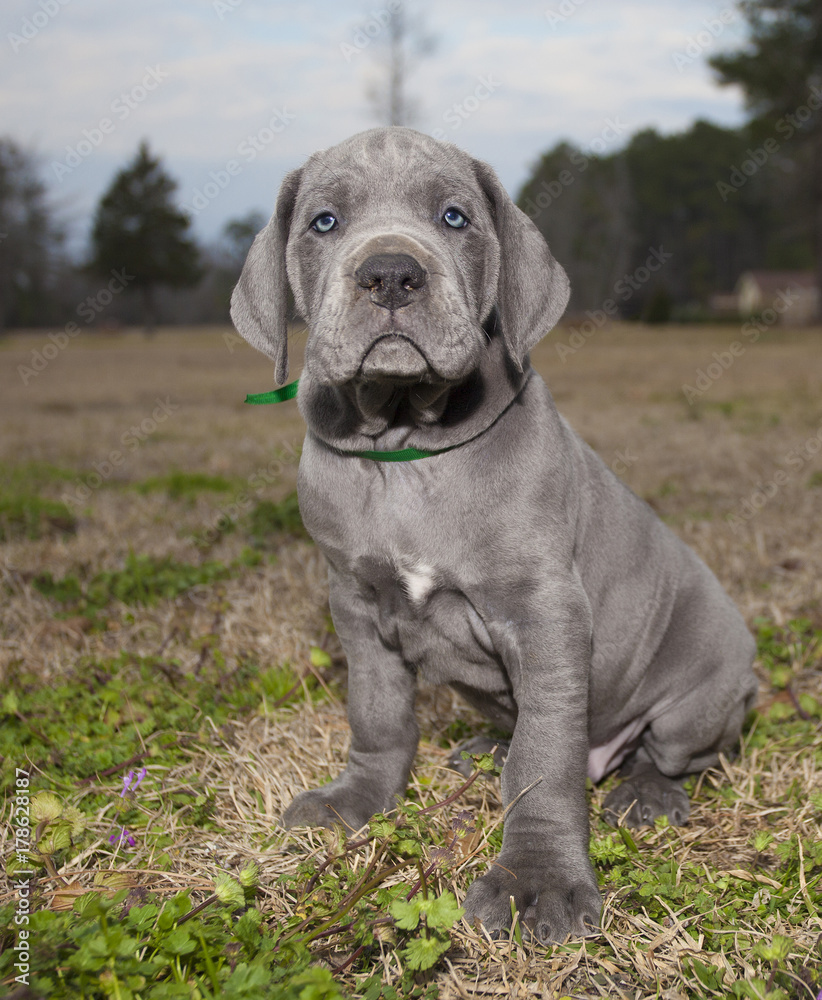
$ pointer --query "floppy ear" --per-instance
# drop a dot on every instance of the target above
(259, 300)
(533, 289)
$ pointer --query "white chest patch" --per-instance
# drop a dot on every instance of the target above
(418, 580)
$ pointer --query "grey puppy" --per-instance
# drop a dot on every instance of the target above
(511, 564)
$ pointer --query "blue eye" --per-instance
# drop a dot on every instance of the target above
(324, 223)
(454, 218)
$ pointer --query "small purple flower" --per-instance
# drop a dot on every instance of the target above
(819, 995)
(129, 778)
(123, 835)
(131, 782)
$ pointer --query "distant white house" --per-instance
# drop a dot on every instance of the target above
(793, 295)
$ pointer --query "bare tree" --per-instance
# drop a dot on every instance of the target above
(399, 50)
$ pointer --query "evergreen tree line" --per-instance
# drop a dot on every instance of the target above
(655, 228)
(705, 205)
(142, 267)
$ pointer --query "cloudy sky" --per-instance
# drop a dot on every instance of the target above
(264, 83)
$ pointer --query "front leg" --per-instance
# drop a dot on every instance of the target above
(545, 643)
(384, 732)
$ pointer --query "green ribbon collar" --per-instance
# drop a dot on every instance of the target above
(403, 455)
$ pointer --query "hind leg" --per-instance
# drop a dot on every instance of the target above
(701, 686)
(686, 739)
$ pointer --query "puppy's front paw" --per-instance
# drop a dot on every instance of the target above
(645, 795)
(553, 906)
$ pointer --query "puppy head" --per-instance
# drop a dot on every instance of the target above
(398, 248)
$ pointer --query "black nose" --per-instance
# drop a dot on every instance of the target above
(392, 277)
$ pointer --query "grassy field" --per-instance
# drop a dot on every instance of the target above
(164, 610)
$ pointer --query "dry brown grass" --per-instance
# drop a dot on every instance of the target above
(623, 392)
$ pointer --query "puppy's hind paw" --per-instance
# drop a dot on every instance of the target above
(327, 807)
(645, 795)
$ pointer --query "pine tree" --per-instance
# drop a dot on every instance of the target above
(138, 228)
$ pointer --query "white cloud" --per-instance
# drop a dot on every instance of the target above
(227, 76)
